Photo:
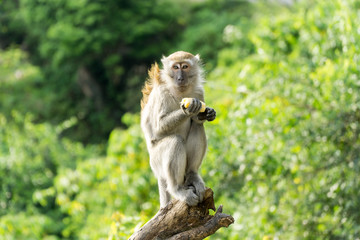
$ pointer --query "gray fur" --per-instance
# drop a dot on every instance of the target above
(175, 137)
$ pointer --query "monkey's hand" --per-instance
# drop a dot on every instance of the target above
(193, 108)
(209, 114)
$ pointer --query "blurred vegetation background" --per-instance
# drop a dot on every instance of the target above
(283, 152)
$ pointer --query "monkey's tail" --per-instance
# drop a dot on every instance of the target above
(154, 77)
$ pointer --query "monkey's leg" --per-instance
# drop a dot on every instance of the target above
(164, 195)
(195, 147)
(174, 167)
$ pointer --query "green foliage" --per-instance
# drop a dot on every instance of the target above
(21, 85)
(291, 151)
(283, 153)
(96, 194)
(207, 21)
(104, 41)
(31, 156)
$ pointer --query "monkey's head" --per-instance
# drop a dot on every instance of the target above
(182, 69)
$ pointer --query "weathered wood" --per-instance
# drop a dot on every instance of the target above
(179, 221)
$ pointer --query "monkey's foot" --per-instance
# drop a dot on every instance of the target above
(191, 198)
(198, 188)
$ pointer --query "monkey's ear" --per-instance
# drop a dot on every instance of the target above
(164, 60)
(197, 57)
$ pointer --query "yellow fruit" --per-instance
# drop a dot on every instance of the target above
(186, 102)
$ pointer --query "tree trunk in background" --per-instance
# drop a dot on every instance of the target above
(90, 87)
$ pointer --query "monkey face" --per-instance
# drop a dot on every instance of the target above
(181, 70)
(180, 74)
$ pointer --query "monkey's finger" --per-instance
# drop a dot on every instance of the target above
(211, 116)
(198, 105)
(191, 106)
(183, 107)
(194, 105)
(210, 111)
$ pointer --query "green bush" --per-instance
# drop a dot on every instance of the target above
(31, 157)
(55, 188)
(287, 133)
(109, 193)
(91, 54)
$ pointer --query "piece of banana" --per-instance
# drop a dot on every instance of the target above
(186, 102)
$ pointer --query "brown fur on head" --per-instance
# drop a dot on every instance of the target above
(180, 56)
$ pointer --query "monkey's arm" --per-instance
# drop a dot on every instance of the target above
(167, 122)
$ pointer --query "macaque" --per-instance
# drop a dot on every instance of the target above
(174, 133)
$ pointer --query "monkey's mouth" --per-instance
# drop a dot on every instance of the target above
(182, 83)
(182, 87)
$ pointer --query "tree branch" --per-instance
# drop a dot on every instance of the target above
(178, 221)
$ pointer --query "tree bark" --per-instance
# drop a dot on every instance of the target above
(179, 221)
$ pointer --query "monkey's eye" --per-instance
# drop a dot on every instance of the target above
(185, 66)
(175, 67)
